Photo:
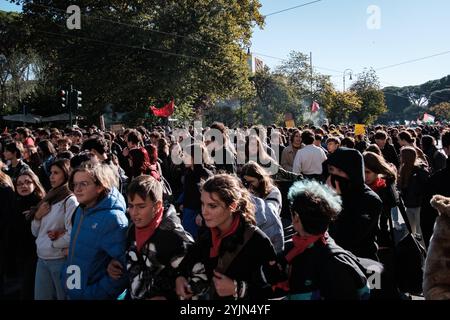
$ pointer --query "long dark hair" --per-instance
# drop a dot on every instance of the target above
(252, 169)
(378, 165)
(39, 190)
(64, 165)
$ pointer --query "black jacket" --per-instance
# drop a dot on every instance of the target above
(7, 197)
(320, 274)
(439, 183)
(246, 266)
(356, 227)
(152, 271)
(414, 192)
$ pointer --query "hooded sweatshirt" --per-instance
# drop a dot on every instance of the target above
(357, 225)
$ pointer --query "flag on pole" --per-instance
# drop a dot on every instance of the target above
(165, 111)
(428, 118)
(314, 106)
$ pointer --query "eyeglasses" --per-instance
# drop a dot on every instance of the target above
(25, 183)
(81, 185)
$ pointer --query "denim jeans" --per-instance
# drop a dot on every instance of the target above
(48, 284)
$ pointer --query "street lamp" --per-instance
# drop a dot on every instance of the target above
(350, 72)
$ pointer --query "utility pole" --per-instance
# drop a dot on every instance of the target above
(69, 102)
(311, 67)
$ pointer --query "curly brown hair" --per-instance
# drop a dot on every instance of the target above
(230, 190)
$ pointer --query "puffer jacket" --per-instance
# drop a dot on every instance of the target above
(98, 236)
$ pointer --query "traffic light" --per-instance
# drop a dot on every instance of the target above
(78, 99)
(64, 98)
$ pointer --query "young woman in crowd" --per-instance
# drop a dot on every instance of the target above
(413, 176)
(259, 182)
(405, 139)
(99, 234)
(226, 262)
(381, 177)
(156, 243)
(52, 227)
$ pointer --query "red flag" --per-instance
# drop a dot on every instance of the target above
(165, 111)
(315, 107)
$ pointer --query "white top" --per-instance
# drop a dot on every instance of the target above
(308, 160)
(59, 218)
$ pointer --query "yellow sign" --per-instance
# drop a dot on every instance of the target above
(360, 129)
(290, 124)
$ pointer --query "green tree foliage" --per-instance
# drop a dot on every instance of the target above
(441, 110)
(367, 87)
(341, 105)
(17, 60)
(138, 51)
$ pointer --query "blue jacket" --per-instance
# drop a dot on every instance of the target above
(98, 236)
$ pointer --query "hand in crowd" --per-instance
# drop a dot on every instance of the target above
(55, 234)
(42, 211)
(182, 288)
(224, 286)
(199, 220)
(114, 269)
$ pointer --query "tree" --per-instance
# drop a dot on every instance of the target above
(275, 95)
(129, 51)
(442, 110)
(16, 60)
(367, 87)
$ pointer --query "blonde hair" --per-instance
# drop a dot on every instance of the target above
(6, 180)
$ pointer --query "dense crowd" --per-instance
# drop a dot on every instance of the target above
(220, 213)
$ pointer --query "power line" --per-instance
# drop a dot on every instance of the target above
(414, 60)
(291, 8)
(133, 26)
(281, 59)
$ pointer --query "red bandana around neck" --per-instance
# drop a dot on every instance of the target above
(217, 238)
(301, 243)
(143, 234)
(378, 184)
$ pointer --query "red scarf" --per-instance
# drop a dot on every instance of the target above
(378, 184)
(217, 238)
(143, 234)
(301, 243)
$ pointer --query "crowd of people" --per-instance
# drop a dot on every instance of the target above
(220, 213)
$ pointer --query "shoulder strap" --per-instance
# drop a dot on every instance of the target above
(227, 258)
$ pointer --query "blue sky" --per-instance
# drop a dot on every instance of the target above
(336, 33)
